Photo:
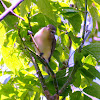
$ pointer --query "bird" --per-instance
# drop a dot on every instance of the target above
(46, 42)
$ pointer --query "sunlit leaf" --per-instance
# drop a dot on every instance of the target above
(93, 90)
(46, 9)
(98, 1)
(86, 97)
(2, 35)
(77, 79)
(89, 64)
(75, 96)
(73, 17)
(93, 49)
(25, 6)
(94, 14)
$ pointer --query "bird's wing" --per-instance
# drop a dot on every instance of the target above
(53, 48)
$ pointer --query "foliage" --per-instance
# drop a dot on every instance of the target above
(67, 17)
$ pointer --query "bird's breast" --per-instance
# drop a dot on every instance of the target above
(44, 45)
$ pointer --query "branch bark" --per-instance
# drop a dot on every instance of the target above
(10, 9)
(33, 55)
(70, 79)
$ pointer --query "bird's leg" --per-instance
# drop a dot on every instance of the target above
(30, 33)
(41, 54)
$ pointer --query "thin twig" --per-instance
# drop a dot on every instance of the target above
(85, 16)
(17, 15)
(88, 33)
(29, 21)
(35, 43)
(46, 92)
(84, 27)
(3, 4)
(52, 73)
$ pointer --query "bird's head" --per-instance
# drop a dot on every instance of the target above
(51, 28)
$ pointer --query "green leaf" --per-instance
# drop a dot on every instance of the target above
(84, 82)
(89, 64)
(75, 96)
(53, 64)
(76, 41)
(65, 39)
(56, 55)
(7, 89)
(76, 22)
(25, 95)
(27, 79)
(61, 79)
(78, 58)
(86, 74)
(73, 17)
(66, 91)
(46, 9)
(74, 38)
(90, 60)
(8, 4)
(40, 18)
(79, 3)
(94, 14)
(93, 70)
(11, 21)
(61, 73)
(68, 11)
(77, 81)
(37, 96)
(97, 1)
(93, 49)
(25, 6)
(51, 87)
(61, 53)
(50, 21)
(98, 25)
(1, 9)
(86, 97)
(2, 35)
(11, 59)
(93, 90)
(10, 54)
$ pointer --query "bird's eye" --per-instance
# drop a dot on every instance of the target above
(52, 31)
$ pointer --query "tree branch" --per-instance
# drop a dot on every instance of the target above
(43, 61)
(46, 92)
(10, 9)
(70, 79)
(29, 21)
(52, 73)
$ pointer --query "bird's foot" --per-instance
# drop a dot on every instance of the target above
(41, 54)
